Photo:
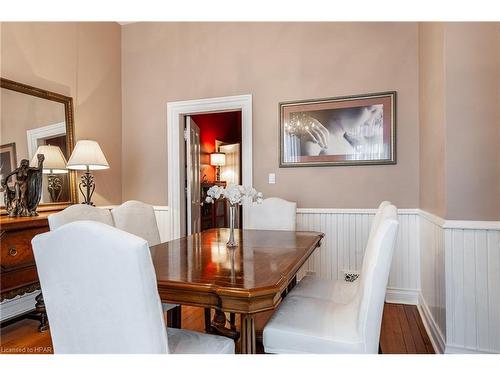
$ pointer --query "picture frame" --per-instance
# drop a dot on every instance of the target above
(8, 159)
(340, 131)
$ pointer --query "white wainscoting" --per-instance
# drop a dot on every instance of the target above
(163, 220)
(472, 290)
(342, 249)
(432, 300)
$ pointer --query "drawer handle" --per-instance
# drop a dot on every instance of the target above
(12, 252)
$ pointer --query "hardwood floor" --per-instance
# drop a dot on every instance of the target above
(402, 332)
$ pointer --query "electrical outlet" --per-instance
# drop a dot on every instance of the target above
(350, 276)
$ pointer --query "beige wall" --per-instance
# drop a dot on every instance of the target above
(164, 62)
(81, 60)
(473, 121)
(460, 120)
(432, 118)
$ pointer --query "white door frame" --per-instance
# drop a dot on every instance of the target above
(49, 131)
(189, 107)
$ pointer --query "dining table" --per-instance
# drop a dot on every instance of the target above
(200, 270)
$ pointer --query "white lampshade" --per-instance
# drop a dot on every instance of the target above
(54, 162)
(217, 158)
(87, 154)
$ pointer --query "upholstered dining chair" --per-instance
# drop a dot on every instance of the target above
(272, 214)
(139, 218)
(101, 295)
(80, 212)
(316, 325)
(338, 290)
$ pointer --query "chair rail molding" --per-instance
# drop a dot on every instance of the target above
(175, 110)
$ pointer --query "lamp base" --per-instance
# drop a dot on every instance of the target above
(217, 173)
(87, 183)
(54, 187)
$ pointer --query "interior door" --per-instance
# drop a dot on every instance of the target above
(193, 186)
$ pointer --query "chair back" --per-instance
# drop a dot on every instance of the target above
(374, 278)
(77, 212)
(377, 219)
(272, 214)
(137, 218)
(100, 290)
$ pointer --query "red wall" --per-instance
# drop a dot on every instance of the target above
(225, 127)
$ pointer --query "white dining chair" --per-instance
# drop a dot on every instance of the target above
(317, 325)
(272, 214)
(77, 212)
(101, 295)
(338, 290)
(139, 218)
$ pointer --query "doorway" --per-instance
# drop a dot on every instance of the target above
(177, 112)
(213, 157)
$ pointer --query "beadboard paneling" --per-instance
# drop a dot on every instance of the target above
(472, 290)
(432, 265)
(163, 220)
(342, 249)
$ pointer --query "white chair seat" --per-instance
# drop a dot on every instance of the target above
(182, 341)
(312, 325)
(338, 291)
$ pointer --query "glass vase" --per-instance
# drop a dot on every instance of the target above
(232, 221)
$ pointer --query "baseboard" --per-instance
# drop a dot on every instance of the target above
(451, 349)
(402, 296)
(18, 305)
(435, 334)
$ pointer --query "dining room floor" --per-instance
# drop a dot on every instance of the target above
(402, 332)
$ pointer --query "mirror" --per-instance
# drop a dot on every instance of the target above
(30, 118)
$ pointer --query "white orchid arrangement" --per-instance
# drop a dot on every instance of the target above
(235, 194)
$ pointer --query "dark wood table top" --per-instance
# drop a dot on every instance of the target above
(201, 270)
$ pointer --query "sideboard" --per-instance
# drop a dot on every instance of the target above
(18, 274)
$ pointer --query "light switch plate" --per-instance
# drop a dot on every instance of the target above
(272, 178)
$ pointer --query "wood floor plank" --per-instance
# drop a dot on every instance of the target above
(409, 311)
(405, 330)
(391, 335)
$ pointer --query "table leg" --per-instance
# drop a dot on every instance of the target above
(208, 322)
(292, 284)
(40, 309)
(174, 317)
(248, 345)
(218, 325)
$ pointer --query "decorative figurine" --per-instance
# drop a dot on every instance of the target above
(22, 198)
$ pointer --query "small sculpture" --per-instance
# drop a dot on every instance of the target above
(22, 198)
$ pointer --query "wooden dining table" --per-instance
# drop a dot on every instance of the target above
(200, 270)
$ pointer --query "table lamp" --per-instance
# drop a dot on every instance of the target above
(217, 159)
(54, 164)
(87, 156)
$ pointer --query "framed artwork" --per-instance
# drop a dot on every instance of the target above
(8, 159)
(349, 130)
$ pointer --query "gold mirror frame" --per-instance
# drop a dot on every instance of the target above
(70, 139)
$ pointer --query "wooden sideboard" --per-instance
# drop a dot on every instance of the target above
(18, 271)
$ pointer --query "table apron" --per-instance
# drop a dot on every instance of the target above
(240, 305)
